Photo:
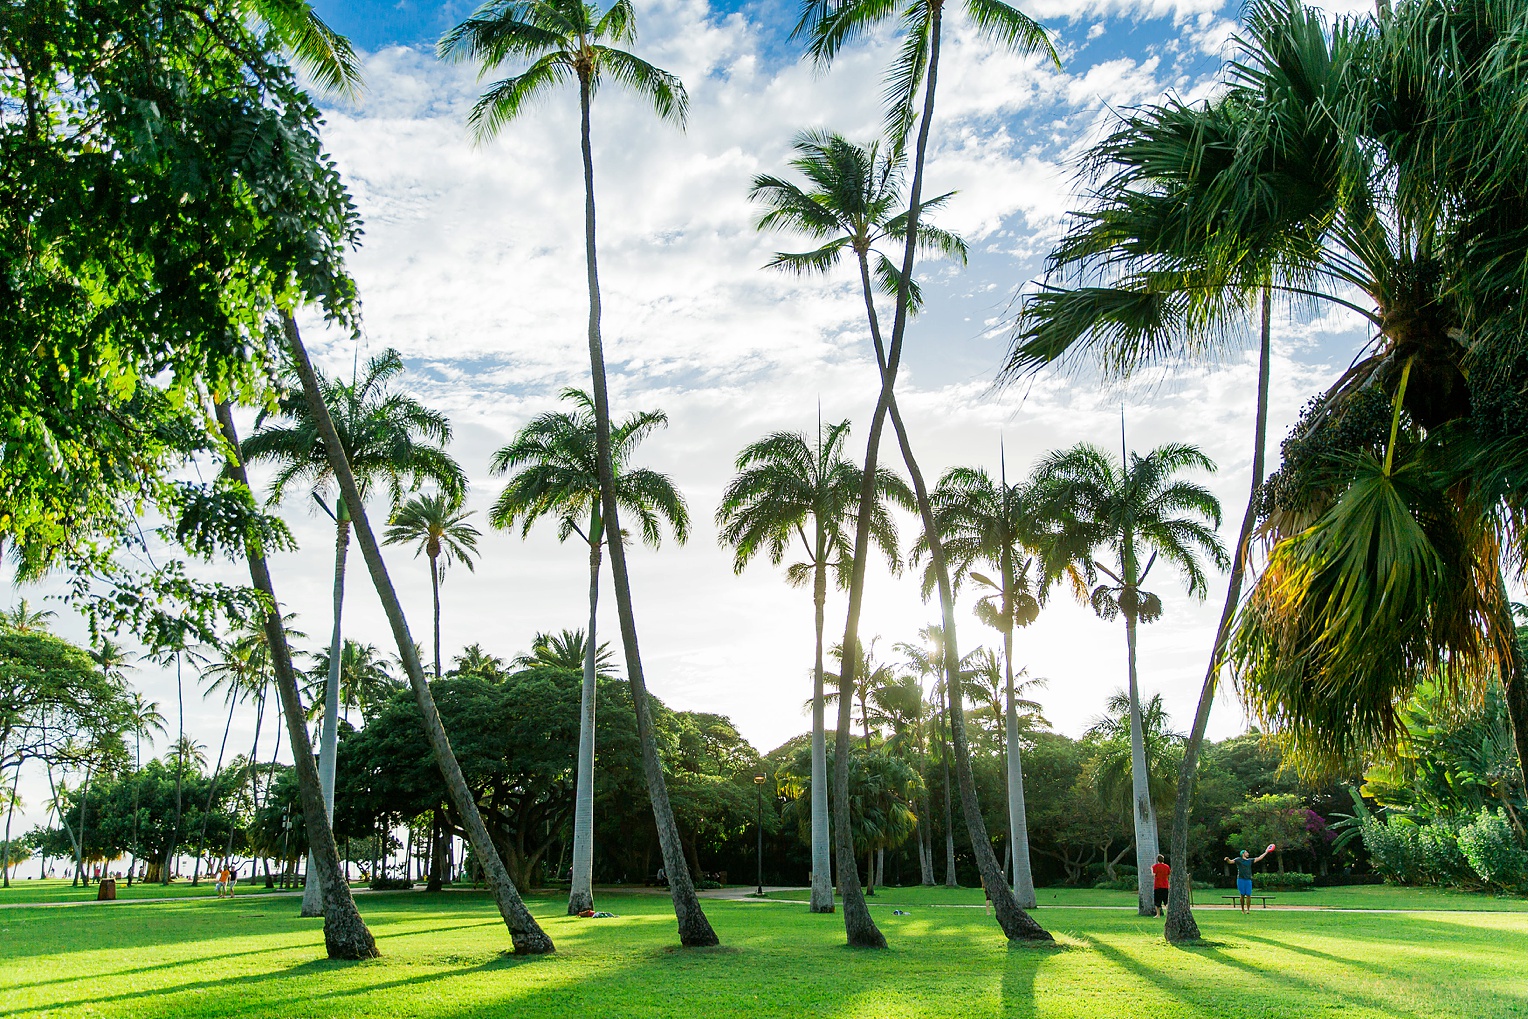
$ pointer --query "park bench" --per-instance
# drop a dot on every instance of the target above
(1236, 899)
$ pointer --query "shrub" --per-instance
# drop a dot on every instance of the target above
(1493, 854)
(1290, 881)
(390, 884)
(1394, 849)
(1119, 884)
(1442, 861)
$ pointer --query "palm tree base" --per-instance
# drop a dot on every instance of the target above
(695, 932)
(1181, 928)
(578, 902)
(346, 936)
(819, 908)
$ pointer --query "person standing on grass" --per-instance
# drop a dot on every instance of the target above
(1160, 872)
(1244, 864)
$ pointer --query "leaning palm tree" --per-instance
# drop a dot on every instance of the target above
(438, 526)
(525, 933)
(1123, 509)
(389, 438)
(829, 26)
(556, 472)
(345, 933)
(987, 522)
(786, 486)
(561, 41)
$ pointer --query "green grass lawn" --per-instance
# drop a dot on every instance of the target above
(58, 890)
(445, 957)
(1351, 897)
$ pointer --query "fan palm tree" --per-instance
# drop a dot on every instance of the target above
(1123, 509)
(561, 41)
(988, 522)
(829, 26)
(438, 526)
(568, 649)
(787, 485)
(556, 472)
(345, 933)
(389, 438)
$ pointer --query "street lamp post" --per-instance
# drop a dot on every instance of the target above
(286, 835)
(758, 782)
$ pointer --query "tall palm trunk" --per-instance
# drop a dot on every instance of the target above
(345, 933)
(1180, 914)
(10, 810)
(1515, 682)
(80, 846)
(212, 787)
(312, 896)
(526, 935)
(950, 878)
(435, 603)
(1144, 816)
(822, 856)
(581, 888)
(1018, 823)
(694, 929)
(180, 770)
(1014, 921)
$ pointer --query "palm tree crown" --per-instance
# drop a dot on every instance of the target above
(566, 649)
(388, 436)
(853, 201)
(563, 40)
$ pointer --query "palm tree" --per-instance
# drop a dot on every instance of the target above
(829, 26)
(438, 525)
(927, 660)
(556, 472)
(236, 674)
(1123, 509)
(1112, 770)
(570, 40)
(389, 438)
(475, 661)
(366, 678)
(568, 649)
(22, 619)
(785, 484)
(144, 719)
(988, 522)
(345, 933)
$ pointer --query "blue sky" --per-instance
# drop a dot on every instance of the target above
(472, 267)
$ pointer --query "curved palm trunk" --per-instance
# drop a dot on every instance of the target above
(312, 895)
(950, 878)
(694, 929)
(212, 788)
(345, 933)
(581, 889)
(1180, 914)
(1018, 823)
(526, 935)
(1144, 816)
(822, 856)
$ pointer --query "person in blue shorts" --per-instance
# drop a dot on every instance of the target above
(1244, 864)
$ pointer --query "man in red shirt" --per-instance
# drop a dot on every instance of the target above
(1160, 872)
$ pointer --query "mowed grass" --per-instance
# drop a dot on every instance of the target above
(446, 956)
(1352, 897)
(59, 890)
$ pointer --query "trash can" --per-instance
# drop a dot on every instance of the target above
(106, 890)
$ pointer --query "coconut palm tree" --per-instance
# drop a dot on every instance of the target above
(786, 485)
(475, 661)
(1113, 771)
(21, 618)
(1004, 528)
(438, 526)
(390, 439)
(829, 26)
(568, 649)
(235, 673)
(345, 933)
(563, 41)
(1127, 511)
(366, 678)
(555, 468)
(144, 719)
